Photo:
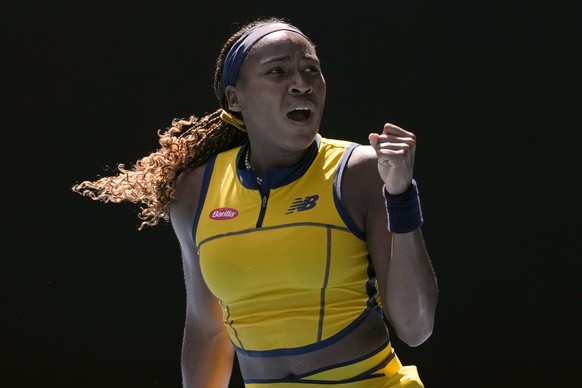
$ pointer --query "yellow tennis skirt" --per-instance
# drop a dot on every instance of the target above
(380, 370)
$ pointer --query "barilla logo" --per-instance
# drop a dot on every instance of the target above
(223, 213)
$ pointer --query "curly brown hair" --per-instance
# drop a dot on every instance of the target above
(150, 181)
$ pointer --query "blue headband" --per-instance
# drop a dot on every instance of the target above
(241, 47)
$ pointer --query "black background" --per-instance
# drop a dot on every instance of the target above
(492, 90)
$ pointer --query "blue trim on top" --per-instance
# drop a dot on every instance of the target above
(289, 225)
(324, 287)
(277, 177)
(337, 195)
(263, 211)
(230, 321)
(307, 348)
(203, 192)
(371, 286)
(304, 377)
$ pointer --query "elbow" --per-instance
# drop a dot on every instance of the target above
(414, 338)
(413, 320)
(415, 332)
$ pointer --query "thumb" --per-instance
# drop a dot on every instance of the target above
(373, 138)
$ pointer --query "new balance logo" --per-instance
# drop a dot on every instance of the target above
(301, 204)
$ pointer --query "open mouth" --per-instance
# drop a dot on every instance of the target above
(300, 114)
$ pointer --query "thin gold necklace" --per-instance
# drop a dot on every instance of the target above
(248, 164)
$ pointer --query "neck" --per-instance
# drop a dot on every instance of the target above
(261, 163)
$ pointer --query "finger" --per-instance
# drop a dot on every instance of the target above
(391, 129)
(395, 142)
(393, 150)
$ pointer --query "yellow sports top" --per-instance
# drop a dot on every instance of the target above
(286, 262)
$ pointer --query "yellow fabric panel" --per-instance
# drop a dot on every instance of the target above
(270, 279)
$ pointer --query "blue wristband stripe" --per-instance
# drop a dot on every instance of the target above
(404, 210)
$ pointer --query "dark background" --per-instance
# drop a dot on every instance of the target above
(491, 88)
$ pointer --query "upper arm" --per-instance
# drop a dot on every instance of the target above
(362, 194)
(203, 308)
(207, 353)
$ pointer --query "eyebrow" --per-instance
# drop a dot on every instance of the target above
(285, 57)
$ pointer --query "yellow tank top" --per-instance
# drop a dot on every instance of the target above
(286, 262)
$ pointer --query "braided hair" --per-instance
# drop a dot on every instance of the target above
(186, 144)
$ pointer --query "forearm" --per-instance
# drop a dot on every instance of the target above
(207, 360)
(411, 289)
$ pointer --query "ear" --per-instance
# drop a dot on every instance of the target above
(232, 98)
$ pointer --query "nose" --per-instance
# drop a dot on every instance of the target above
(299, 84)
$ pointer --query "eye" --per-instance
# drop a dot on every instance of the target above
(276, 70)
(312, 69)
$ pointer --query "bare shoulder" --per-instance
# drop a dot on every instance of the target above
(362, 156)
(361, 185)
(186, 196)
(188, 182)
(362, 169)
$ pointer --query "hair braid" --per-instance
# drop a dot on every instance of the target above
(151, 180)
